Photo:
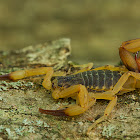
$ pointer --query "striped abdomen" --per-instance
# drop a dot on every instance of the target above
(95, 79)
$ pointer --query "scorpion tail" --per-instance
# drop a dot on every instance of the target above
(53, 112)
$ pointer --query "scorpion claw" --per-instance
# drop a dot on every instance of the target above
(5, 77)
(53, 112)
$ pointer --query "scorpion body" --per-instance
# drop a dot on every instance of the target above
(93, 80)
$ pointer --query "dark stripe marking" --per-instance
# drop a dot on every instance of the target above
(95, 79)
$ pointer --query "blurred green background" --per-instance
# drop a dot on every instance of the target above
(96, 27)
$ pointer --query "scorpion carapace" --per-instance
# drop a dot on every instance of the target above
(88, 84)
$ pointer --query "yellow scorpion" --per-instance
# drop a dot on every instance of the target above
(86, 86)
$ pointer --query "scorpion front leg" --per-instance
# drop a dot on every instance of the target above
(26, 73)
(82, 98)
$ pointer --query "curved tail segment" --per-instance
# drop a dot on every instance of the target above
(53, 112)
(128, 47)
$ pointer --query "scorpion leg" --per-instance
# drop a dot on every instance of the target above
(112, 68)
(110, 95)
(72, 110)
(119, 85)
(83, 98)
(77, 109)
(80, 90)
(108, 109)
(88, 65)
(85, 67)
(26, 73)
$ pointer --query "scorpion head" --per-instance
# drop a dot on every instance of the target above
(54, 83)
(62, 81)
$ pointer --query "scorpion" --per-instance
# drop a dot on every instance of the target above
(88, 85)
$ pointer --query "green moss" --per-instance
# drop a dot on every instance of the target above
(31, 129)
(20, 130)
(108, 131)
(26, 122)
(39, 122)
(6, 131)
(4, 85)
